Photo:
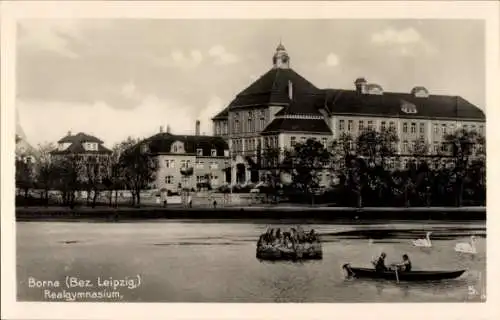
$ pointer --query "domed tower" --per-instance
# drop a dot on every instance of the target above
(281, 59)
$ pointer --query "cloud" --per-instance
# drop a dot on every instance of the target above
(109, 124)
(182, 59)
(404, 42)
(221, 56)
(332, 60)
(54, 36)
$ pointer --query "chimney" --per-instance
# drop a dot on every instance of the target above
(168, 128)
(161, 129)
(69, 133)
(360, 84)
(197, 130)
(290, 89)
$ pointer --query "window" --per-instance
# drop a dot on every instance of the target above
(169, 179)
(183, 164)
(226, 153)
(293, 141)
(392, 125)
(349, 125)
(170, 163)
(382, 126)
(200, 179)
(422, 127)
(341, 125)
(405, 146)
(213, 152)
(261, 126)
(466, 127)
(370, 125)
(199, 152)
(249, 125)
(199, 164)
(413, 127)
(324, 142)
(237, 126)
(473, 128)
(405, 127)
(361, 125)
(188, 164)
(302, 139)
(443, 129)
(481, 129)
(214, 165)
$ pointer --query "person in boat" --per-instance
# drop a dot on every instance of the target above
(380, 263)
(405, 266)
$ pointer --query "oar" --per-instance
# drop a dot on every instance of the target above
(397, 276)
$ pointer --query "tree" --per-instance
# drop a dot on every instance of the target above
(24, 175)
(462, 145)
(47, 170)
(304, 163)
(138, 167)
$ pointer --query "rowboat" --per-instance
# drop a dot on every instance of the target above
(401, 276)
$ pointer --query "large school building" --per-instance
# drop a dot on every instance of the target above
(282, 108)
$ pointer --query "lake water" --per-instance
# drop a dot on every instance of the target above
(192, 261)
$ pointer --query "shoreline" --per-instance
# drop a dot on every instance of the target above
(253, 213)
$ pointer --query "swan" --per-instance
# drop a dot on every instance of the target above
(423, 242)
(467, 247)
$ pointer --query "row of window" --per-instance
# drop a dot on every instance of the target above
(170, 163)
(213, 152)
(221, 128)
(348, 126)
(370, 125)
(293, 140)
(251, 126)
(199, 179)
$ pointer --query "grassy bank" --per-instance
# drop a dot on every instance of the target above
(251, 213)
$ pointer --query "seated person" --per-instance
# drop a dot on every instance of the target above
(379, 264)
(406, 264)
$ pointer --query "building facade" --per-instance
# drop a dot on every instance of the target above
(282, 108)
(87, 153)
(188, 161)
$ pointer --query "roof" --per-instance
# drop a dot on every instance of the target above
(76, 144)
(297, 125)
(305, 104)
(272, 88)
(222, 115)
(77, 147)
(79, 137)
(162, 142)
(390, 104)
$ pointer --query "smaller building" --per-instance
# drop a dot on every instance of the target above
(86, 150)
(189, 161)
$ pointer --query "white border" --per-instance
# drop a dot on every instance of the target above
(487, 10)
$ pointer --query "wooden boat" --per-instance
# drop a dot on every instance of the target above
(401, 276)
(277, 253)
(309, 248)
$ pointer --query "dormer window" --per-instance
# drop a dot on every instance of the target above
(144, 148)
(420, 92)
(408, 107)
(199, 152)
(177, 147)
(213, 153)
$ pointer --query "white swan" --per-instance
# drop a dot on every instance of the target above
(423, 242)
(467, 247)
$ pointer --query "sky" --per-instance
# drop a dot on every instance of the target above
(127, 77)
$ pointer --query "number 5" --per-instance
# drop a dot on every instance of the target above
(472, 290)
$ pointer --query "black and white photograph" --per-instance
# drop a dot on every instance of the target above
(278, 159)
